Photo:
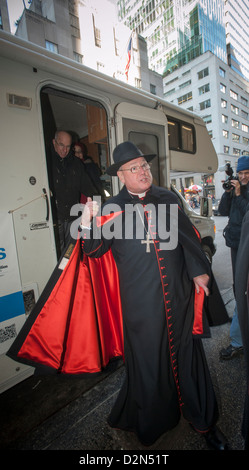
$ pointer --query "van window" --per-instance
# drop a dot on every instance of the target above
(181, 136)
(148, 143)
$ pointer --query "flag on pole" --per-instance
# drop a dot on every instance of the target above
(128, 58)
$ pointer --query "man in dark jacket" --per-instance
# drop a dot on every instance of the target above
(233, 204)
(68, 180)
(242, 295)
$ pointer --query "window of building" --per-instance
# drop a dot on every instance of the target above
(170, 92)
(203, 73)
(97, 35)
(153, 89)
(204, 89)
(50, 46)
(138, 82)
(235, 138)
(234, 109)
(245, 140)
(244, 114)
(226, 149)
(75, 26)
(223, 103)
(234, 95)
(222, 88)
(185, 84)
(205, 104)
(224, 118)
(78, 57)
(244, 101)
(236, 152)
(100, 66)
(222, 72)
(207, 119)
(184, 98)
(244, 127)
(225, 134)
(235, 123)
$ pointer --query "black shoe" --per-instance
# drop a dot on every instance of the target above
(230, 352)
(215, 439)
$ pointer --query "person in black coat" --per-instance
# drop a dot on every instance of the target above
(68, 180)
(242, 297)
(233, 204)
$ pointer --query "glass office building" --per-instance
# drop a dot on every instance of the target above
(177, 31)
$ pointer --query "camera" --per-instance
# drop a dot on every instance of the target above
(229, 171)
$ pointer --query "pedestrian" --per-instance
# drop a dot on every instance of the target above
(233, 204)
(242, 297)
(166, 370)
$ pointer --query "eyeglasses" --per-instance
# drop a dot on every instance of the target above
(63, 146)
(135, 169)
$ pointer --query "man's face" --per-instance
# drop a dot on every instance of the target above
(62, 144)
(137, 182)
(243, 176)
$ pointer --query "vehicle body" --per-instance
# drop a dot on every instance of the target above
(215, 206)
(41, 92)
(204, 224)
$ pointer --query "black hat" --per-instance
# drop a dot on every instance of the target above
(124, 153)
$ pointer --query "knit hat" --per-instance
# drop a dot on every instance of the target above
(243, 163)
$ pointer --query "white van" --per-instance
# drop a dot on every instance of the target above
(41, 92)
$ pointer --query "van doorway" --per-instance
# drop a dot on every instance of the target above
(86, 121)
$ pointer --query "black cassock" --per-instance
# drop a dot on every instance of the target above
(166, 370)
(142, 306)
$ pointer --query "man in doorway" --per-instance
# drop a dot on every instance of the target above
(68, 180)
(166, 370)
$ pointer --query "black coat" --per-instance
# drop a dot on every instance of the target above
(68, 180)
(242, 298)
(165, 363)
(235, 208)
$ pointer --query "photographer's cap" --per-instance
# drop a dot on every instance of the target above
(243, 163)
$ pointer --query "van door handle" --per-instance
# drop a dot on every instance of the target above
(47, 203)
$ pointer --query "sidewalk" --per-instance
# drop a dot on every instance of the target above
(69, 413)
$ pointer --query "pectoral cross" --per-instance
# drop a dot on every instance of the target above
(147, 241)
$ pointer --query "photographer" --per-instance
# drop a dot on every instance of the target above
(233, 204)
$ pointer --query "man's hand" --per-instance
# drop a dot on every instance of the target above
(201, 281)
(90, 210)
(236, 186)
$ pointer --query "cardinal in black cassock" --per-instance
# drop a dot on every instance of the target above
(162, 291)
(150, 306)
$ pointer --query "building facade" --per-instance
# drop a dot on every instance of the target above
(176, 31)
(4, 16)
(210, 87)
(236, 19)
(88, 32)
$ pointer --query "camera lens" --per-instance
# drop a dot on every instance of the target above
(227, 185)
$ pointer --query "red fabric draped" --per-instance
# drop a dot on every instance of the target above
(79, 329)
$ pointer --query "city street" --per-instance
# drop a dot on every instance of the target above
(55, 413)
